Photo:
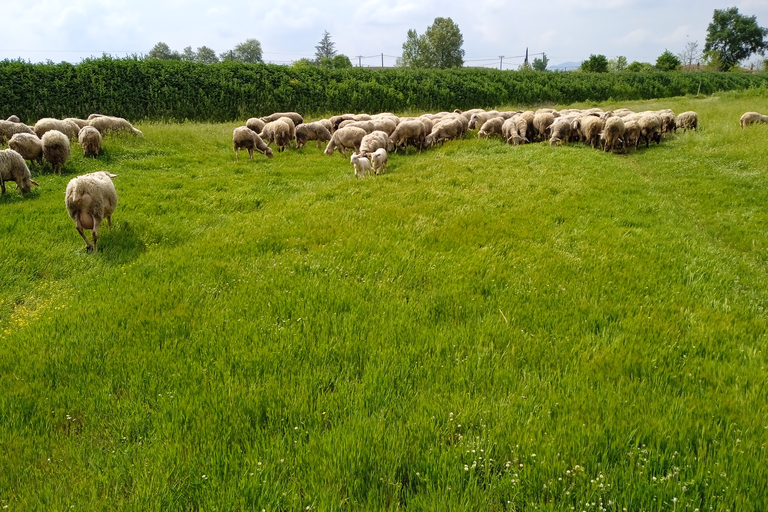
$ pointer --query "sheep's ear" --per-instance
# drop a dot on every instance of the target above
(112, 175)
(35, 183)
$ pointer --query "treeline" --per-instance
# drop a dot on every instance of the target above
(175, 90)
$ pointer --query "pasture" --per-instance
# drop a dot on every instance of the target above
(483, 327)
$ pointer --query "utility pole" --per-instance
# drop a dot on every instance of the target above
(359, 60)
(501, 59)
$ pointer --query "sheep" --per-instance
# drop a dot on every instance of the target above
(368, 126)
(337, 120)
(467, 114)
(612, 133)
(56, 149)
(667, 118)
(687, 120)
(245, 138)
(46, 124)
(14, 168)
(89, 199)
(112, 124)
(650, 128)
(541, 123)
(450, 128)
(375, 140)
(13, 119)
(513, 130)
(293, 116)
(560, 131)
(379, 160)
(589, 127)
(477, 120)
(90, 140)
(81, 123)
(384, 124)
(312, 131)
(631, 133)
(491, 127)
(749, 118)
(344, 138)
(9, 128)
(409, 132)
(255, 124)
(361, 164)
(28, 145)
(280, 132)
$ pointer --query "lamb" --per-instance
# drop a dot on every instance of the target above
(9, 128)
(541, 123)
(687, 120)
(56, 149)
(650, 128)
(245, 138)
(312, 131)
(612, 133)
(379, 160)
(450, 128)
(345, 138)
(46, 124)
(560, 131)
(491, 127)
(28, 145)
(375, 140)
(255, 124)
(90, 198)
(293, 116)
(90, 140)
(14, 168)
(107, 124)
(361, 164)
(409, 132)
(749, 118)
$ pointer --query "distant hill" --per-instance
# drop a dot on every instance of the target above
(565, 66)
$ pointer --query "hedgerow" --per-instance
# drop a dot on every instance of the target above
(176, 91)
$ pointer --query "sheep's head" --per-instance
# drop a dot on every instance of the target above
(268, 153)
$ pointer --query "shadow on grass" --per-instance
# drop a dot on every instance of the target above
(121, 244)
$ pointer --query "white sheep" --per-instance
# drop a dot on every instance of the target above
(255, 124)
(28, 145)
(375, 140)
(687, 120)
(541, 123)
(379, 160)
(411, 132)
(749, 118)
(345, 138)
(90, 140)
(361, 164)
(612, 133)
(9, 128)
(295, 117)
(46, 124)
(14, 168)
(560, 131)
(316, 131)
(450, 128)
(111, 124)
(491, 127)
(650, 128)
(280, 131)
(90, 198)
(245, 138)
(56, 150)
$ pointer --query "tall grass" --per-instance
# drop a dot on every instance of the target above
(484, 327)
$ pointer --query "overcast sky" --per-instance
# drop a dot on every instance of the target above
(566, 31)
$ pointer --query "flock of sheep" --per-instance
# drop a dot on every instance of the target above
(88, 198)
(92, 197)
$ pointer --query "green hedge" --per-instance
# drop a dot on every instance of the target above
(173, 90)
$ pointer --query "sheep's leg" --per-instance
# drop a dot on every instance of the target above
(237, 155)
(95, 233)
(80, 230)
(2, 185)
(250, 153)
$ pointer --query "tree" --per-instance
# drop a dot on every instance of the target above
(206, 55)
(248, 52)
(325, 48)
(691, 55)
(617, 64)
(595, 64)
(188, 55)
(732, 37)
(439, 47)
(668, 61)
(163, 52)
(540, 64)
(638, 67)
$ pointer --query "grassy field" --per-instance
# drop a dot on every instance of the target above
(485, 327)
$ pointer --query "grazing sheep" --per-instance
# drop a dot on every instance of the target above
(337, 120)
(375, 140)
(90, 198)
(245, 138)
(650, 128)
(281, 132)
(56, 150)
(687, 120)
(14, 119)
(361, 164)
(107, 124)
(81, 123)
(541, 123)
(409, 132)
(612, 133)
(749, 118)
(312, 131)
(9, 128)
(491, 127)
(477, 120)
(345, 138)
(368, 126)
(631, 134)
(14, 168)
(90, 140)
(46, 124)
(295, 117)
(28, 145)
(450, 128)
(384, 124)
(255, 124)
(589, 128)
(560, 131)
(379, 160)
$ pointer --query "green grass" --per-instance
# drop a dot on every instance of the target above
(484, 327)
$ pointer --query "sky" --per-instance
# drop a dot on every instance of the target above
(567, 31)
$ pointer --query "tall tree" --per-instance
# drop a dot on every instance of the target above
(733, 37)
(248, 52)
(617, 64)
(325, 48)
(163, 52)
(691, 54)
(595, 64)
(668, 61)
(206, 55)
(439, 47)
(540, 64)
(188, 55)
